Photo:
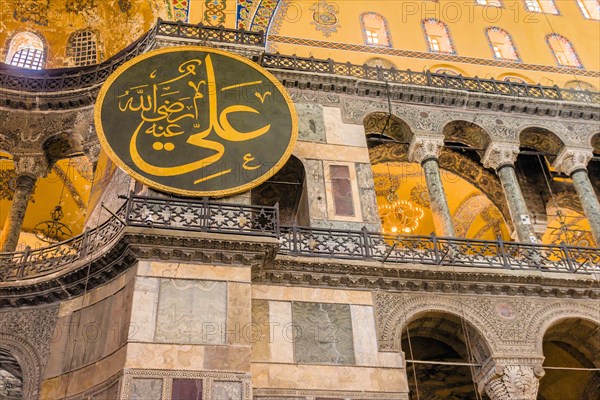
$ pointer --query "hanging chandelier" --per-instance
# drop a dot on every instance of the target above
(398, 216)
(52, 230)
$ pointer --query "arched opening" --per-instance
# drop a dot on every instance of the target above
(573, 347)
(580, 85)
(502, 44)
(443, 353)
(375, 29)
(26, 50)
(475, 197)
(437, 36)
(563, 51)
(11, 377)
(287, 187)
(82, 48)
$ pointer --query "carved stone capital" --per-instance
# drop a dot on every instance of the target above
(425, 146)
(571, 159)
(499, 154)
(514, 382)
(34, 165)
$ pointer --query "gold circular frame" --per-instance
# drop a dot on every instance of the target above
(169, 189)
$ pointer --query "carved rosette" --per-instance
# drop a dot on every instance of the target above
(425, 147)
(499, 154)
(571, 159)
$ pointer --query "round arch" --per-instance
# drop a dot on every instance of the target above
(467, 134)
(542, 140)
(28, 361)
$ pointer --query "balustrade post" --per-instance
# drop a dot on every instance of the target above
(21, 270)
(83, 251)
(436, 248)
(567, 255)
(204, 214)
(503, 255)
(294, 248)
(365, 238)
(428, 77)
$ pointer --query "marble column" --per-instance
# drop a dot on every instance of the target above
(502, 157)
(29, 169)
(425, 149)
(573, 162)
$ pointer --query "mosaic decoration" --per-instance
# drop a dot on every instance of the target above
(181, 10)
(214, 14)
(439, 24)
(124, 5)
(566, 47)
(420, 195)
(507, 38)
(325, 17)
(244, 10)
(385, 39)
(77, 6)
(35, 11)
(263, 15)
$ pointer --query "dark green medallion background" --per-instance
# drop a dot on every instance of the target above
(239, 77)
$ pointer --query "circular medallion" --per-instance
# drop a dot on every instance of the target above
(505, 310)
(196, 121)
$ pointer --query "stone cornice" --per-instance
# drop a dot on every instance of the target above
(319, 272)
(138, 244)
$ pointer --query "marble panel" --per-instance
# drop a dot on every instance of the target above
(194, 271)
(145, 304)
(119, 319)
(261, 334)
(315, 182)
(368, 198)
(187, 389)
(311, 294)
(311, 126)
(227, 390)
(339, 132)
(281, 347)
(331, 152)
(365, 339)
(228, 358)
(191, 312)
(323, 333)
(239, 314)
(145, 389)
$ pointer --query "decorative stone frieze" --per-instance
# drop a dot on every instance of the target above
(499, 154)
(571, 159)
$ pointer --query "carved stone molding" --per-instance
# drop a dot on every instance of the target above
(571, 159)
(425, 146)
(499, 154)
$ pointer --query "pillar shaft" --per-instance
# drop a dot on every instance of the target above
(516, 203)
(589, 201)
(14, 220)
(442, 219)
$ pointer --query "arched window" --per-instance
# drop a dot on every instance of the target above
(437, 36)
(563, 51)
(446, 71)
(83, 48)
(580, 85)
(514, 79)
(542, 6)
(502, 44)
(589, 8)
(375, 29)
(26, 50)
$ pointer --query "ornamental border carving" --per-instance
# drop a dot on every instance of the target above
(29, 360)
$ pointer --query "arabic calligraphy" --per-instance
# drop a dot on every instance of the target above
(197, 123)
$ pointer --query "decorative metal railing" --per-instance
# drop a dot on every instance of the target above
(209, 33)
(202, 216)
(408, 77)
(432, 250)
(149, 212)
(77, 78)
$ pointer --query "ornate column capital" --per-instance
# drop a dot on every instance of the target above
(571, 159)
(34, 165)
(425, 146)
(499, 154)
(511, 379)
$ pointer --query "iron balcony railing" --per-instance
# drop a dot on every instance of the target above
(23, 80)
(139, 211)
(239, 219)
(432, 250)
